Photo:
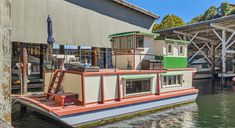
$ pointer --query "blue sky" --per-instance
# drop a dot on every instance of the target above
(186, 9)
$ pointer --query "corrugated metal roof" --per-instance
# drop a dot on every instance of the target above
(136, 8)
(133, 33)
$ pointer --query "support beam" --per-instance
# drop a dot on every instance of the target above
(223, 51)
(227, 47)
(197, 52)
(197, 37)
(205, 56)
(230, 51)
(220, 27)
(41, 60)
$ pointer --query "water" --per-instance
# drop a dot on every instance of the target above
(212, 109)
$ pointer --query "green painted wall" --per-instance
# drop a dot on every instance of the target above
(174, 62)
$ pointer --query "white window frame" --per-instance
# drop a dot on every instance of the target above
(137, 46)
(170, 53)
(139, 93)
(183, 50)
(166, 85)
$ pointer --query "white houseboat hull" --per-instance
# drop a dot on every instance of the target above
(99, 115)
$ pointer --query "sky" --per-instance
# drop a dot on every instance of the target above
(186, 9)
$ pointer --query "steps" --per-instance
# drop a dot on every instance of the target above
(55, 83)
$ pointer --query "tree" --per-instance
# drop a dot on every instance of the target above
(156, 27)
(209, 14)
(225, 9)
(169, 21)
(232, 12)
(196, 19)
(5, 63)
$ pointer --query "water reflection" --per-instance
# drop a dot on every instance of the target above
(213, 109)
(179, 117)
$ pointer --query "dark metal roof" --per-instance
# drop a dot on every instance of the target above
(133, 33)
(136, 8)
(203, 28)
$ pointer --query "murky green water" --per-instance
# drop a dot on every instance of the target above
(211, 110)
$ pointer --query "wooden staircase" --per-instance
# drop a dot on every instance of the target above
(55, 83)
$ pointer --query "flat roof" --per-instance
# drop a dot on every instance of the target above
(136, 8)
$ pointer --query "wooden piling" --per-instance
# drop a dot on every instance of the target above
(25, 71)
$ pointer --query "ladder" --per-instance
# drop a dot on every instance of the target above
(55, 83)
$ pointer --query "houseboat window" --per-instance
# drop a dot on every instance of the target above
(115, 43)
(138, 86)
(181, 50)
(129, 40)
(122, 42)
(169, 49)
(171, 80)
(140, 42)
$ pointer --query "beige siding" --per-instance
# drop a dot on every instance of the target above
(161, 47)
(46, 80)
(93, 89)
(72, 24)
(110, 87)
(71, 83)
(147, 53)
(122, 61)
(187, 83)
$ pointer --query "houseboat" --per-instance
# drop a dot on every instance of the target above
(148, 72)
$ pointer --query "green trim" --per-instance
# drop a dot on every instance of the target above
(137, 77)
(172, 73)
(176, 41)
(133, 33)
(174, 62)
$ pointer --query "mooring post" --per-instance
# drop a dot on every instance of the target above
(5, 63)
(25, 71)
(213, 66)
(223, 57)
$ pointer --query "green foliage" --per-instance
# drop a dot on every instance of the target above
(196, 19)
(232, 12)
(225, 9)
(169, 21)
(156, 27)
(209, 14)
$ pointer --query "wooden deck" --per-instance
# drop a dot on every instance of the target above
(51, 106)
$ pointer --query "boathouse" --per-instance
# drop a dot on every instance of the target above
(82, 27)
(212, 39)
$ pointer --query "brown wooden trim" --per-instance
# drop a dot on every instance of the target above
(83, 91)
(102, 89)
(125, 102)
(137, 95)
(75, 110)
(158, 84)
(119, 88)
(122, 72)
(177, 90)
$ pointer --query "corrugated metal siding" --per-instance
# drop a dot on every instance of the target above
(74, 22)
